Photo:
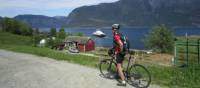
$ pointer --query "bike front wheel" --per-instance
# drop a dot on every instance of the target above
(139, 76)
(107, 68)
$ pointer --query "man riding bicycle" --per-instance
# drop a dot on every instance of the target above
(119, 55)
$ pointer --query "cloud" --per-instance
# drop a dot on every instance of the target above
(49, 4)
(44, 7)
(11, 12)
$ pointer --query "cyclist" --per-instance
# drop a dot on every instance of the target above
(118, 47)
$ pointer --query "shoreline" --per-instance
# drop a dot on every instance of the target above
(109, 27)
(132, 50)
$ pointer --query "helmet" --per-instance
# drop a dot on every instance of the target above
(116, 26)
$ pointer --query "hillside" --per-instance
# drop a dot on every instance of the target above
(42, 21)
(138, 13)
(12, 39)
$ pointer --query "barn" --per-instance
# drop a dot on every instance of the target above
(83, 44)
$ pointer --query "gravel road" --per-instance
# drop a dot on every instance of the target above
(18, 70)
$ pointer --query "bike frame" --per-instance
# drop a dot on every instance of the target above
(129, 61)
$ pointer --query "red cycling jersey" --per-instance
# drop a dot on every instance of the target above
(119, 43)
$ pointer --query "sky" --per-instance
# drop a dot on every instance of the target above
(11, 8)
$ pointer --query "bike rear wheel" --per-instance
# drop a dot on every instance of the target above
(107, 68)
(139, 76)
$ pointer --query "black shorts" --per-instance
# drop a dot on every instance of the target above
(119, 58)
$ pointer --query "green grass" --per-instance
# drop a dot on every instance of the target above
(165, 76)
(11, 39)
(186, 77)
(176, 77)
(23, 44)
(160, 75)
(45, 52)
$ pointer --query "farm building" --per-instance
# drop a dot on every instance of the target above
(83, 44)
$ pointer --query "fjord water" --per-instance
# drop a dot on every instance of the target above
(136, 35)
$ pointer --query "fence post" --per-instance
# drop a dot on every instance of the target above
(175, 52)
(198, 50)
(187, 51)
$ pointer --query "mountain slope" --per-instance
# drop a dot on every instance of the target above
(42, 21)
(138, 13)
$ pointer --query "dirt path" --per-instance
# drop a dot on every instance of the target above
(18, 70)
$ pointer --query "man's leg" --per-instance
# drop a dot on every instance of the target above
(119, 69)
(120, 72)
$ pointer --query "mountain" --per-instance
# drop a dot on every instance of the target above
(137, 13)
(42, 21)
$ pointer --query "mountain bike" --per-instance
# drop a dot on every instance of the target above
(135, 74)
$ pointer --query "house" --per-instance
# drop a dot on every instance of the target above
(83, 44)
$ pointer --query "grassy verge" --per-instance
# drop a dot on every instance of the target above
(165, 76)
(45, 52)
(23, 44)
(176, 77)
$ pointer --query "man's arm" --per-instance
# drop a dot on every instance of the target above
(117, 38)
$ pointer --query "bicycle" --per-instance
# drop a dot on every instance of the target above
(135, 74)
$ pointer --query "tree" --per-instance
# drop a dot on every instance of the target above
(53, 32)
(5, 24)
(36, 39)
(16, 27)
(53, 42)
(25, 29)
(1, 25)
(37, 31)
(79, 34)
(61, 33)
(160, 39)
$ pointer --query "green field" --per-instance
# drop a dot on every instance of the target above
(172, 77)
(24, 44)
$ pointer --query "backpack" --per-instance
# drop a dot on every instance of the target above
(126, 44)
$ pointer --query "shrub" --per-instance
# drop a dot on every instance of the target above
(36, 39)
(61, 33)
(53, 32)
(79, 34)
(160, 39)
(15, 27)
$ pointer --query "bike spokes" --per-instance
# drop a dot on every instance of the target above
(107, 68)
(139, 76)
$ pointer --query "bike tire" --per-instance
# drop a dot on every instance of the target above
(107, 68)
(138, 74)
